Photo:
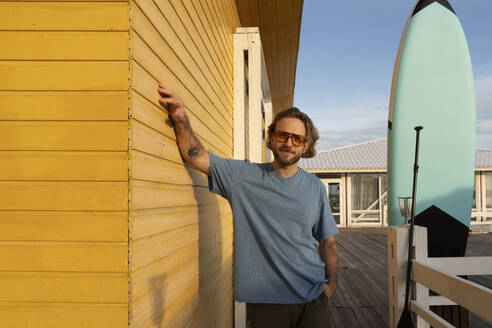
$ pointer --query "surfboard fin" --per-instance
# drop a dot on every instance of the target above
(447, 237)
(424, 3)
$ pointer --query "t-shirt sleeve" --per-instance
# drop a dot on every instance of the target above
(224, 173)
(326, 226)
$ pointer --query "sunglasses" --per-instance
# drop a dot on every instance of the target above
(297, 140)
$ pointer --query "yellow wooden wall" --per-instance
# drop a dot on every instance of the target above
(180, 234)
(64, 71)
(101, 224)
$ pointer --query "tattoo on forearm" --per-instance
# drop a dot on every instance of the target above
(187, 141)
(330, 255)
(193, 152)
(332, 250)
(195, 146)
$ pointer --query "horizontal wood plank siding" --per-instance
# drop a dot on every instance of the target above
(180, 233)
(216, 129)
(148, 195)
(64, 95)
(63, 256)
(64, 165)
(78, 45)
(175, 53)
(71, 1)
(63, 16)
(205, 60)
(144, 85)
(63, 75)
(73, 226)
(62, 315)
(44, 135)
(63, 196)
(39, 287)
(203, 39)
(151, 168)
(64, 105)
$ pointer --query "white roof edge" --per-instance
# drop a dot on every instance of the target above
(343, 170)
(352, 145)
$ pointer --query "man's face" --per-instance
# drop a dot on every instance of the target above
(286, 153)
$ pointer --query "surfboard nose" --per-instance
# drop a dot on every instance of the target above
(424, 3)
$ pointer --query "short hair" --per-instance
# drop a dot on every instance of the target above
(312, 135)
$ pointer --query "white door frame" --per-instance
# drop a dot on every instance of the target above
(341, 183)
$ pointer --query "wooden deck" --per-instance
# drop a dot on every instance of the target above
(361, 299)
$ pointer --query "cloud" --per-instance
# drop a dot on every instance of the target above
(367, 119)
(483, 91)
(349, 116)
(355, 132)
(484, 133)
(333, 139)
(345, 125)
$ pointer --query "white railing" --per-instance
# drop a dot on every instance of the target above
(437, 274)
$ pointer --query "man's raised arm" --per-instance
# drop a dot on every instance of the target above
(190, 147)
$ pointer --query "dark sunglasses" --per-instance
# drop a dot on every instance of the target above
(297, 140)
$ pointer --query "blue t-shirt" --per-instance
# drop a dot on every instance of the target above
(278, 223)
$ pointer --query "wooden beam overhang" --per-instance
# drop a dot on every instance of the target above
(279, 22)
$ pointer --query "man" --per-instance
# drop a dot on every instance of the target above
(282, 219)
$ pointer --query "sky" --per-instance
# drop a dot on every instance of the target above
(346, 58)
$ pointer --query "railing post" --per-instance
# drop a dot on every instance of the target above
(397, 258)
(397, 268)
(420, 253)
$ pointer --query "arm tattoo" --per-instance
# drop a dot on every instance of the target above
(193, 152)
(188, 143)
(330, 257)
(332, 249)
(195, 146)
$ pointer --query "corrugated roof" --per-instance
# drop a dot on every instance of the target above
(366, 156)
(484, 158)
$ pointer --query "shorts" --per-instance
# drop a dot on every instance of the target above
(314, 314)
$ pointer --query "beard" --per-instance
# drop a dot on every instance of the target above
(286, 162)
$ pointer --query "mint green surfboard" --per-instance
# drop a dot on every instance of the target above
(432, 87)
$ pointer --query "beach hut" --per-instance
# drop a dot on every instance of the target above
(101, 224)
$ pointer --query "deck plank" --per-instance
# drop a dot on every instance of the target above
(480, 245)
(361, 299)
